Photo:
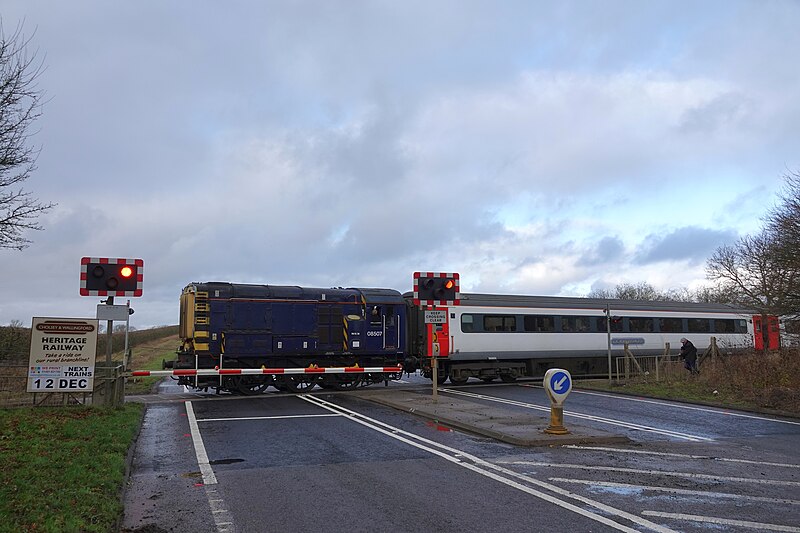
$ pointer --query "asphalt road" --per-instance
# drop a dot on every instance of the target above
(335, 462)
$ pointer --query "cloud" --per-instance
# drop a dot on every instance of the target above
(607, 249)
(689, 243)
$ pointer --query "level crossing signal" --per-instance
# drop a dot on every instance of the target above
(107, 276)
(436, 288)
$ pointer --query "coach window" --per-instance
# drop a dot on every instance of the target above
(723, 325)
(576, 324)
(499, 323)
(640, 325)
(740, 326)
(468, 323)
(670, 325)
(699, 325)
(539, 323)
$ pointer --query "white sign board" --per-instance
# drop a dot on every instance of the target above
(62, 355)
(112, 312)
(435, 317)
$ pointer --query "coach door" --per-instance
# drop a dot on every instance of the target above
(773, 333)
(766, 332)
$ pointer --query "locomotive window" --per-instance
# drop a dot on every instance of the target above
(499, 323)
(699, 325)
(467, 323)
(539, 323)
(640, 325)
(576, 324)
(375, 316)
(724, 325)
(670, 325)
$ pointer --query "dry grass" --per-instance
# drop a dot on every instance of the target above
(770, 380)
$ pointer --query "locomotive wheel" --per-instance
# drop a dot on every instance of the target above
(487, 379)
(345, 382)
(299, 383)
(250, 385)
(458, 381)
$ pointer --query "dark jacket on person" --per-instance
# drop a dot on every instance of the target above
(689, 352)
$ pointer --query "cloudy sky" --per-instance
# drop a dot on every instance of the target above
(534, 147)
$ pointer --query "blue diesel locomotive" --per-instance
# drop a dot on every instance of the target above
(228, 325)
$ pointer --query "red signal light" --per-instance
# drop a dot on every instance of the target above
(126, 271)
(449, 284)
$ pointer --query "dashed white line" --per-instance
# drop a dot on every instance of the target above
(690, 475)
(723, 521)
(681, 455)
(687, 492)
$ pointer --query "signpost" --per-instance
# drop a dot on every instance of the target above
(558, 384)
(62, 355)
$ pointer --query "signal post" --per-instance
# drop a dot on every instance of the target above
(433, 289)
(110, 277)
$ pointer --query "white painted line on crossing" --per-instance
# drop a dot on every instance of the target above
(609, 421)
(482, 467)
(687, 492)
(690, 475)
(723, 521)
(219, 511)
(199, 448)
(681, 455)
(284, 417)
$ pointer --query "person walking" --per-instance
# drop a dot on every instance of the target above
(689, 356)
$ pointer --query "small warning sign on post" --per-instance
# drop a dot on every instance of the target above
(435, 317)
(62, 355)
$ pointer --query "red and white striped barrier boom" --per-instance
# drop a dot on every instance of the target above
(259, 371)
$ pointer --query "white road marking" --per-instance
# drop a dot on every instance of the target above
(234, 419)
(199, 448)
(219, 512)
(687, 492)
(681, 455)
(482, 467)
(690, 475)
(718, 411)
(723, 521)
(610, 421)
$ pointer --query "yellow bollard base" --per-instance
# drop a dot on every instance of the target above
(556, 430)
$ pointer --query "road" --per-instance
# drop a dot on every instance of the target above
(334, 462)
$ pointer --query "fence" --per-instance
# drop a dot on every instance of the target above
(109, 389)
(658, 367)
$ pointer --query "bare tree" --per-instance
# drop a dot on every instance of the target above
(749, 270)
(630, 291)
(783, 223)
(20, 106)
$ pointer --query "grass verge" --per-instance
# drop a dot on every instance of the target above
(63, 468)
(756, 381)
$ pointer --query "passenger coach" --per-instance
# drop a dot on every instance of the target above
(491, 336)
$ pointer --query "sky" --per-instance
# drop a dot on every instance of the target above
(547, 148)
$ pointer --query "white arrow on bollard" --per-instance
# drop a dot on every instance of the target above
(558, 384)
